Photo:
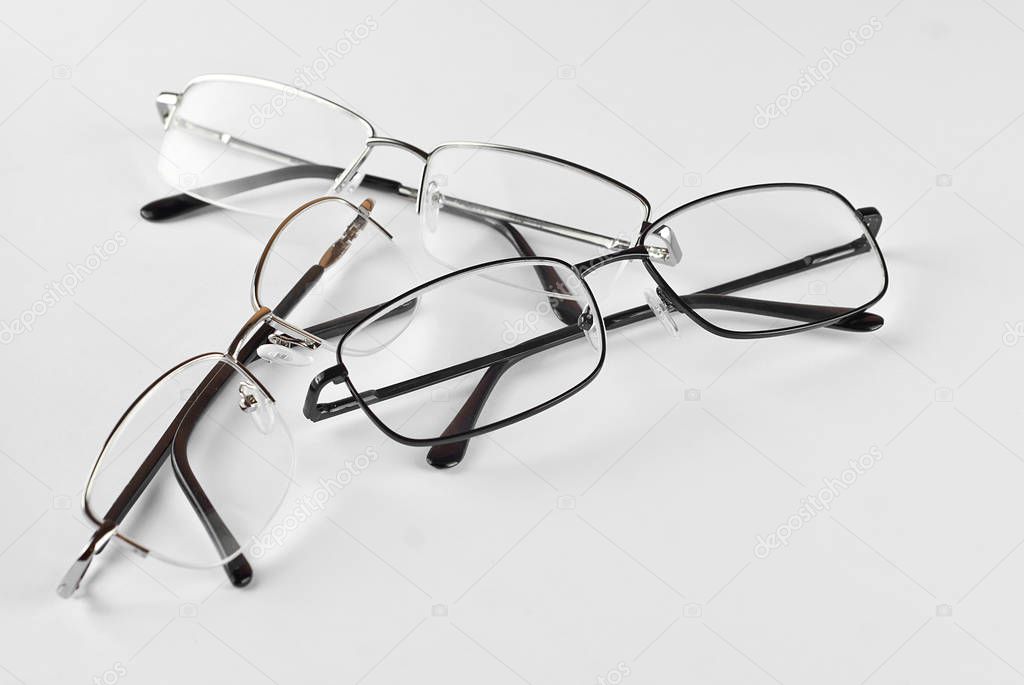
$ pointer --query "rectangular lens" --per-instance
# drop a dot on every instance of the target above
(476, 348)
(257, 146)
(480, 203)
(770, 258)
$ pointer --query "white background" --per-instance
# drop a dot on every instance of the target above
(617, 532)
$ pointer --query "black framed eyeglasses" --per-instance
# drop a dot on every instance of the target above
(492, 344)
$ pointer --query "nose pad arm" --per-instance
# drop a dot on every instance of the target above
(433, 200)
(590, 328)
(662, 311)
(258, 406)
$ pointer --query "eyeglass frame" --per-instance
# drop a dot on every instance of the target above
(176, 205)
(262, 326)
(853, 319)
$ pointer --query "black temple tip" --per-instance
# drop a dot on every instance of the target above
(239, 571)
(865, 322)
(447, 456)
(171, 207)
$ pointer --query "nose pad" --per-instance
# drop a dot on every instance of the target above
(662, 312)
(258, 406)
(432, 203)
(351, 178)
(350, 186)
(590, 328)
(288, 356)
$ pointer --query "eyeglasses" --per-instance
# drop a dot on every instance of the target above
(802, 255)
(492, 344)
(261, 147)
(203, 454)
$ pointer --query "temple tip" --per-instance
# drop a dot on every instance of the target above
(865, 322)
(171, 207)
(447, 456)
(239, 571)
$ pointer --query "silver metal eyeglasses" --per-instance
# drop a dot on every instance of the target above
(203, 455)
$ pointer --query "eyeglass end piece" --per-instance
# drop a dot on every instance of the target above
(165, 104)
(872, 218)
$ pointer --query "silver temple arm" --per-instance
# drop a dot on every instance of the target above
(589, 237)
(240, 143)
(579, 234)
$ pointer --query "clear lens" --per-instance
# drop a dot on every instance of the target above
(216, 465)
(328, 265)
(472, 195)
(257, 146)
(486, 345)
(768, 259)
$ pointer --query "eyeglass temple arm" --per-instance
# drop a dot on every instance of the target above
(871, 218)
(450, 454)
(238, 569)
(174, 206)
(177, 205)
(316, 411)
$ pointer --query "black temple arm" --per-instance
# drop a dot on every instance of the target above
(568, 311)
(316, 411)
(174, 206)
(451, 454)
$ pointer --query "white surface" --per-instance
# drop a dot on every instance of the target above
(654, 569)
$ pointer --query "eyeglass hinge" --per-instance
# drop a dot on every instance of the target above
(165, 104)
(669, 251)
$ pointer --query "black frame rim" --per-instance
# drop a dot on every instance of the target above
(516, 418)
(680, 305)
